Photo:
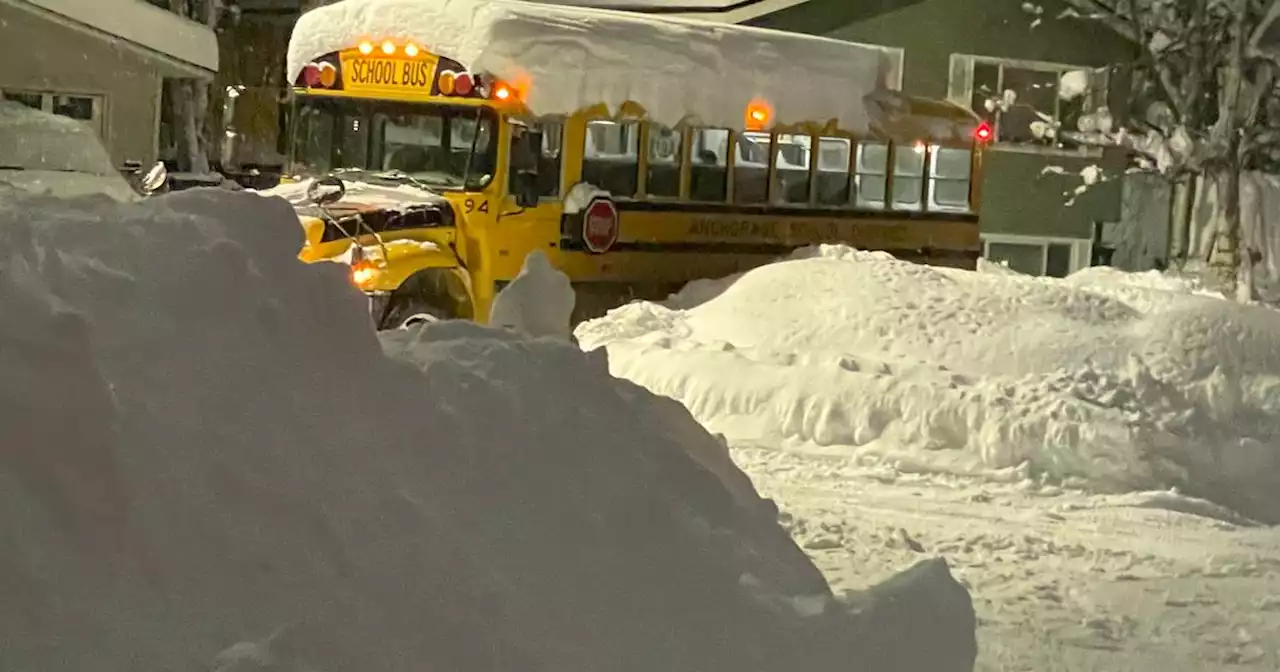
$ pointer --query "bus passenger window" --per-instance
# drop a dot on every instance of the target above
(833, 171)
(548, 159)
(870, 171)
(949, 179)
(750, 167)
(908, 176)
(793, 169)
(709, 174)
(665, 155)
(611, 157)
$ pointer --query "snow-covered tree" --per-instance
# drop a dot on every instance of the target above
(1203, 102)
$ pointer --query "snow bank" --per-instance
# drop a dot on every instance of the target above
(208, 457)
(565, 59)
(49, 153)
(1106, 379)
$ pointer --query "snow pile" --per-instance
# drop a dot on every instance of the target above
(539, 301)
(49, 153)
(1105, 379)
(36, 140)
(565, 59)
(207, 457)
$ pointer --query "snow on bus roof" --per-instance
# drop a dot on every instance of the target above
(574, 58)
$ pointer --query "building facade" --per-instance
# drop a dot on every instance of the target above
(102, 62)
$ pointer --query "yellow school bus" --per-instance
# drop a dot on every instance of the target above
(452, 176)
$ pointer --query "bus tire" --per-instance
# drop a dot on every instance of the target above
(408, 313)
(427, 296)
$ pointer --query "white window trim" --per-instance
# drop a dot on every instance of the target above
(901, 55)
(99, 121)
(1081, 248)
(962, 94)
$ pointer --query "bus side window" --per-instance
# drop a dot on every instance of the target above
(870, 174)
(908, 176)
(833, 171)
(665, 156)
(549, 159)
(709, 174)
(793, 169)
(611, 157)
(949, 179)
(751, 167)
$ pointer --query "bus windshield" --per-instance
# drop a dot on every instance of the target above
(435, 146)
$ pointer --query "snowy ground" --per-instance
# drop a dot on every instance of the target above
(1044, 436)
(1061, 580)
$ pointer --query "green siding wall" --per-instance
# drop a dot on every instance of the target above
(1016, 197)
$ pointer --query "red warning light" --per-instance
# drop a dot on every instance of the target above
(982, 132)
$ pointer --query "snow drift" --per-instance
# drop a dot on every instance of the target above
(567, 59)
(1105, 379)
(207, 458)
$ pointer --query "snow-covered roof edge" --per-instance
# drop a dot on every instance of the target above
(573, 58)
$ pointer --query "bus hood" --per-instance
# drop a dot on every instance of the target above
(359, 196)
(407, 219)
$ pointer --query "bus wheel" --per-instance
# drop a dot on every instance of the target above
(409, 313)
(427, 296)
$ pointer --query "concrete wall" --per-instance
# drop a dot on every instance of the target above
(42, 55)
(1017, 199)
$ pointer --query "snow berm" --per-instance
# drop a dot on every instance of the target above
(1106, 380)
(208, 460)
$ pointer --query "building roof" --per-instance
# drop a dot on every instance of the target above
(182, 47)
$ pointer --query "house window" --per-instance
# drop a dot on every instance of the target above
(891, 62)
(1036, 255)
(1030, 104)
(84, 108)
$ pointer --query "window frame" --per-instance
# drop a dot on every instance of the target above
(98, 120)
(541, 123)
(1081, 248)
(630, 132)
(960, 90)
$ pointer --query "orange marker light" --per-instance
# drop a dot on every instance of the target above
(759, 114)
(328, 75)
(366, 48)
(411, 50)
(447, 80)
(502, 92)
(388, 47)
